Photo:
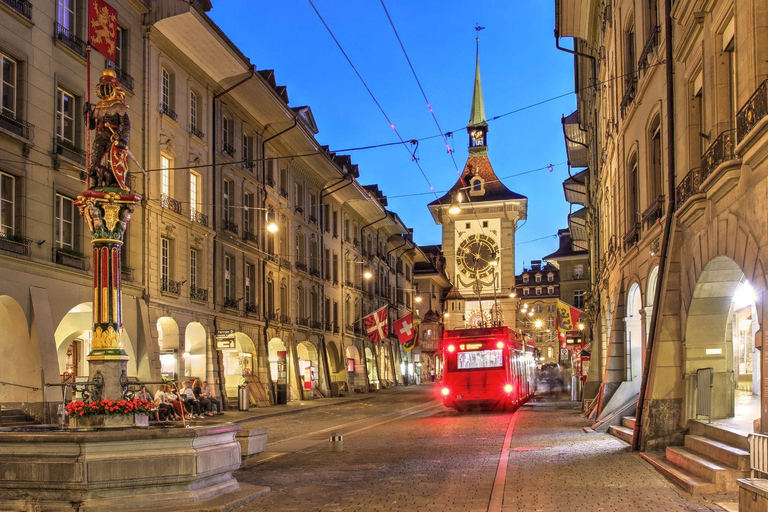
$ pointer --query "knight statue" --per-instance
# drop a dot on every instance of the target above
(109, 118)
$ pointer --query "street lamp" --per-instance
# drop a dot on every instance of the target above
(538, 324)
(367, 274)
(417, 299)
(581, 326)
(455, 207)
(272, 226)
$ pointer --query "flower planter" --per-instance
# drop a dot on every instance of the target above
(109, 421)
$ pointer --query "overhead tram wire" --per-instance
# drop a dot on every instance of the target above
(373, 97)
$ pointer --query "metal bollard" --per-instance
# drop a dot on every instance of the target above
(336, 442)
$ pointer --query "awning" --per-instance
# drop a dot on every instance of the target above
(575, 141)
(577, 224)
(575, 188)
(573, 18)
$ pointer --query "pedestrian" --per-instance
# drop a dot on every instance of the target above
(432, 374)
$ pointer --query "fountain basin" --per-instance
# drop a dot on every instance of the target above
(113, 469)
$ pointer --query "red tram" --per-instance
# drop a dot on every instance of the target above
(490, 367)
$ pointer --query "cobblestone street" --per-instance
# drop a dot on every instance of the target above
(431, 458)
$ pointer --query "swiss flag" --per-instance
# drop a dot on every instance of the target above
(404, 328)
(102, 28)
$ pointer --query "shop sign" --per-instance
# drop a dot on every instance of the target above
(225, 343)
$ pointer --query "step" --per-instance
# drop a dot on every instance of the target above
(720, 433)
(628, 421)
(696, 463)
(623, 433)
(677, 475)
(718, 451)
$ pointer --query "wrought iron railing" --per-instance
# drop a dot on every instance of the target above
(124, 77)
(721, 150)
(283, 192)
(199, 217)
(249, 236)
(200, 294)
(654, 211)
(232, 303)
(251, 308)
(314, 272)
(632, 236)
(630, 88)
(650, 45)
(335, 329)
(753, 111)
(228, 225)
(315, 324)
(300, 265)
(688, 186)
(194, 130)
(69, 39)
(271, 182)
(166, 110)
(285, 319)
(22, 7)
(21, 128)
(170, 203)
(302, 321)
(170, 286)
(270, 315)
(15, 244)
(349, 328)
(228, 148)
(284, 263)
(70, 151)
(71, 258)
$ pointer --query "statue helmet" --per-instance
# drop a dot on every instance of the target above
(109, 88)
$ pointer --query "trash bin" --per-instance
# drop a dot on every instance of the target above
(242, 398)
(575, 388)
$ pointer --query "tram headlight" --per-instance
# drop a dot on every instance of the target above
(451, 348)
(500, 344)
(508, 388)
(445, 391)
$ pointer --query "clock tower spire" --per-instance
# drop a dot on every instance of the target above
(477, 126)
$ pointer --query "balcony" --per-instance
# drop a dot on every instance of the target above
(124, 77)
(194, 130)
(283, 193)
(71, 258)
(335, 329)
(654, 212)
(753, 111)
(271, 182)
(228, 148)
(248, 236)
(632, 236)
(358, 330)
(630, 88)
(169, 286)
(314, 272)
(284, 263)
(252, 309)
(300, 265)
(302, 321)
(167, 111)
(170, 203)
(228, 225)
(22, 7)
(15, 244)
(69, 39)
(688, 186)
(349, 329)
(645, 56)
(70, 151)
(198, 294)
(199, 217)
(247, 164)
(271, 315)
(285, 319)
(17, 127)
(315, 324)
(721, 150)
(232, 304)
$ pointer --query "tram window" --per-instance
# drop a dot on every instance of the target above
(479, 359)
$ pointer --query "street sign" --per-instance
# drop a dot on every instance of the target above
(223, 333)
(225, 343)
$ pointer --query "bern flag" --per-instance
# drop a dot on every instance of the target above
(414, 342)
(376, 324)
(102, 28)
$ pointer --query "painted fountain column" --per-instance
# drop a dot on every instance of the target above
(107, 206)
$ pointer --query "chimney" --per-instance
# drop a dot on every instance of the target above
(535, 264)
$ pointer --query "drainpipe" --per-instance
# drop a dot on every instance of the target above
(575, 51)
(272, 392)
(664, 250)
(389, 305)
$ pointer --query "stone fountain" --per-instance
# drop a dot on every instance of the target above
(99, 463)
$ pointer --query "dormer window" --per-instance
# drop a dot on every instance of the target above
(525, 278)
(538, 278)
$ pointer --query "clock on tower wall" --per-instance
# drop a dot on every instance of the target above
(477, 256)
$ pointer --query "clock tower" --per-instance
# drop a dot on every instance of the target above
(479, 216)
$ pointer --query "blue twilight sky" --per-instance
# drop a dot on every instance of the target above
(519, 64)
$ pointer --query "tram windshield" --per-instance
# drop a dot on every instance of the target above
(479, 359)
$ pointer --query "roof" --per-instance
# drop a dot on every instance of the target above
(453, 294)
(478, 164)
(477, 111)
(566, 247)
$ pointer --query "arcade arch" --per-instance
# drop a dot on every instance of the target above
(239, 362)
(168, 343)
(194, 350)
(21, 362)
(634, 335)
(309, 371)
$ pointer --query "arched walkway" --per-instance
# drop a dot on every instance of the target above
(634, 335)
(239, 362)
(719, 334)
(168, 343)
(20, 363)
(306, 354)
(370, 366)
(194, 350)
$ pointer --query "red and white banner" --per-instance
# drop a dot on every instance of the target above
(376, 324)
(404, 328)
(102, 28)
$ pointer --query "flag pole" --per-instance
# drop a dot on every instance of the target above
(88, 102)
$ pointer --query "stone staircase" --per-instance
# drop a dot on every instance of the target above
(623, 431)
(15, 418)
(711, 460)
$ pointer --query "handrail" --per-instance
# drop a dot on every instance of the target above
(3, 383)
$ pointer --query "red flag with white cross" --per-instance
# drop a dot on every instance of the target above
(102, 28)
(377, 324)
(404, 328)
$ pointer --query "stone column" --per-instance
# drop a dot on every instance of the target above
(107, 211)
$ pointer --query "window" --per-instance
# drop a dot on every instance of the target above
(578, 271)
(7, 200)
(313, 263)
(121, 49)
(250, 285)
(525, 278)
(193, 269)
(477, 185)
(65, 222)
(578, 299)
(194, 123)
(335, 268)
(551, 322)
(284, 309)
(313, 306)
(327, 311)
(194, 194)
(335, 224)
(165, 175)
(526, 291)
(301, 256)
(227, 131)
(313, 208)
(327, 264)
(730, 48)
(247, 151)
(700, 144)
(335, 313)
(298, 196)
(653, 17)
(551, 278)
(229, 210)
(66, 14)
(271, 164)
(65, 116)
(538, 308)
(632, 193)
(248, 213)
(655, 171)
(228, 276)
(538, 278)
(550, 290)
(165, 261)
(270, 296)
(8, 86)
(166, 90)
(550, 352)
(301, 303)
(629, 41)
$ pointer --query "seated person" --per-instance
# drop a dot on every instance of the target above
(208, 393)
(188, 397)
(205, 403)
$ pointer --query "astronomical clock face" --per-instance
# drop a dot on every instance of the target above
(477, 137)
(475, 254)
